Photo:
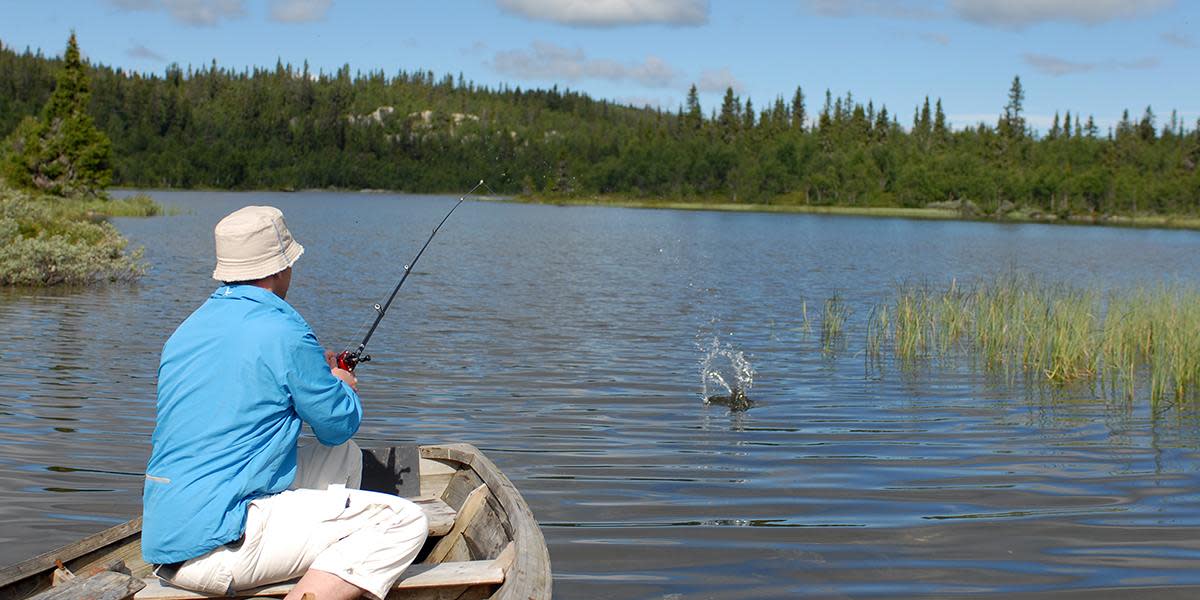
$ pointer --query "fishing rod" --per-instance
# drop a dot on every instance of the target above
(349, 359)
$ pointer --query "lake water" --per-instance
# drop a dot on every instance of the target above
(567, 342)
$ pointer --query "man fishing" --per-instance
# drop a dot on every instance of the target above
(231, 501)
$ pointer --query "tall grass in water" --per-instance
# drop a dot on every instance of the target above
(1053, 333)
(833, 324)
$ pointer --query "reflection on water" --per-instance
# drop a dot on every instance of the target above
(560, 340)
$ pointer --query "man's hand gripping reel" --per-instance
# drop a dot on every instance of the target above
(348, 359)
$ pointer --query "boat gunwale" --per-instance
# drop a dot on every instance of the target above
(529, 575)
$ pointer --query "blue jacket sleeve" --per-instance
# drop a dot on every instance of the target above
(325, 402)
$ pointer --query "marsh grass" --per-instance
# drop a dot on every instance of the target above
(1059, 335)
(833, 324)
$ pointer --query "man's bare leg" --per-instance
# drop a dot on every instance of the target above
(324, 586)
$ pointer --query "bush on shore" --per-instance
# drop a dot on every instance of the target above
(46, 240)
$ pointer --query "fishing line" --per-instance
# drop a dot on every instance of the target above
(349, 359)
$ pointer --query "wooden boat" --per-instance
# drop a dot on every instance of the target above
(483, 542)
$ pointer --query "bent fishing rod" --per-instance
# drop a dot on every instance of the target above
(349, 359)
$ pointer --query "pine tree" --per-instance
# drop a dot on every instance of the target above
(748, 116)
(881, 123)
(1173, 127)
(1124, 126)
(939, 122)
(1067, 125)
(1012, 124)
(730, 109)
(779, 114)
(926, 124)
(1055, 128)
(62, 152)
(694, 115)
(799, 114)
(1146, 126)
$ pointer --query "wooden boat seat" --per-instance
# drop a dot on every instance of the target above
(439, 576)
(440, 515)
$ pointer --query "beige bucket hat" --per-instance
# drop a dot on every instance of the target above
(252, 243)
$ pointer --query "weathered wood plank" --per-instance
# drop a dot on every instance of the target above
(476, 500)
(485, 535)
(435, 476)
(529, 576)
(129, 553)
(417, 577)
(441, 517)
(45, 562)
(106, 585)
(461, 485)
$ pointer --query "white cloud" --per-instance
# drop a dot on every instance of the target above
(551, 62)
(475, 49)
(610, 13)
(718, 80)
(191, 12)
(1020, 13)
(1057, 67)
(299, 11)
(1181, 40)
(142, 52)
(940, 39)
(905, 9)
(1013, 14)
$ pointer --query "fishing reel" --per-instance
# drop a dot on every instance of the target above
(348, 359)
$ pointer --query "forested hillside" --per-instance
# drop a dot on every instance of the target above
(288, 128)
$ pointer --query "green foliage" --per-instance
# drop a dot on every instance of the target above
(45, 240)
(289, 128)
(62, 152)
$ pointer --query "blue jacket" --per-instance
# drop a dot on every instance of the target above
(235, 382)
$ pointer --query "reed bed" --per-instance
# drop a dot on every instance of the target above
(833, 324)
(1020, 326)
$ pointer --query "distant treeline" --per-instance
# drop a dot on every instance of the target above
(288, 128)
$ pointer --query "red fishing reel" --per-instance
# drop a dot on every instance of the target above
(348, 359)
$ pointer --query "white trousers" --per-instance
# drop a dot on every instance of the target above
(323, 522)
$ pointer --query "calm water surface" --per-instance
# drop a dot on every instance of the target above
(566, 343)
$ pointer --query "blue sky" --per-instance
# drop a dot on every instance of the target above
(1090, 56)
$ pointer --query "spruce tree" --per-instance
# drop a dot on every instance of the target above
(779, 114)
(62, 152)
(731, 108)
(1012, 124)
(926, 124)
(694, 116)
(1146, 126)
(799, 115)
(939, 121)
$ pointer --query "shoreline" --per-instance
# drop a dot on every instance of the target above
(1164, 222)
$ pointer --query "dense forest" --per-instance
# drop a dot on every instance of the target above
(289, 128)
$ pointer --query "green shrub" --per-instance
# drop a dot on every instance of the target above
(48, 241)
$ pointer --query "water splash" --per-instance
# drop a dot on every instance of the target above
(726, 377)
